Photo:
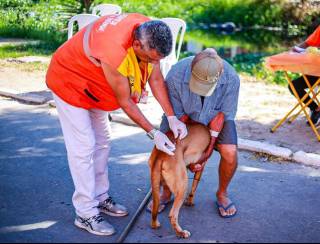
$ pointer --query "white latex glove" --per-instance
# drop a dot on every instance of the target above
(163, 143)
(177, 127)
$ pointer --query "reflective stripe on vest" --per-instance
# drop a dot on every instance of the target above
(86, 47)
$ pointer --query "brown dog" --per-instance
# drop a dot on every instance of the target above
(172, 170)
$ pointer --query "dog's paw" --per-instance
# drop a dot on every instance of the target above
(155, 224)
(184, 234)
(189, 202)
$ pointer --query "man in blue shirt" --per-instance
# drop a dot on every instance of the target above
(200, 87)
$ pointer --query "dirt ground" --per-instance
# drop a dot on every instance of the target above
(260, 107)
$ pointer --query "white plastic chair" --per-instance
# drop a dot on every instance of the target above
(176, 26)
(105, 9)
(82, 20)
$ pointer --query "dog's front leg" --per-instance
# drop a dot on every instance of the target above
(155, 183)
(196, 179)
(179, 189)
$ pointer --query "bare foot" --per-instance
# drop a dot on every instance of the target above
(226, 206)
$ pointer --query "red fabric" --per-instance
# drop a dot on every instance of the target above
(314, 39)
(305, 63)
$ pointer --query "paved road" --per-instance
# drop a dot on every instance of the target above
(277, 202)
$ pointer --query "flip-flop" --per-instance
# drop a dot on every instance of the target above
(162, 206)
(219, 205)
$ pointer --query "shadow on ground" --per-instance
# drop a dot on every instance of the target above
(36, 186)
(277, 202)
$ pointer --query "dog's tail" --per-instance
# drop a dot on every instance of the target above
(155, 171)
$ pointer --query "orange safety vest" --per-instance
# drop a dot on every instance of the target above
(75, 73)
(314, 38)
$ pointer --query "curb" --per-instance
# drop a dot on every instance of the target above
(29, 99)
(263, 147)
(308, 159)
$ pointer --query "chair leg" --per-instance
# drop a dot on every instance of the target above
(197, 176)
(314, 96)
(311, 89)
(302, 105)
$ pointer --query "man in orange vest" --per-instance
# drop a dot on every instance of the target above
(105, 66)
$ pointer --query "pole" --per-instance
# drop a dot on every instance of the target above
(125, 232)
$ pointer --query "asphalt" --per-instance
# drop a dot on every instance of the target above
(276, 201)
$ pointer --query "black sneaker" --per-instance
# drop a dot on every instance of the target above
(315, 117)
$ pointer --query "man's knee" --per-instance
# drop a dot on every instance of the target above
(228, 152)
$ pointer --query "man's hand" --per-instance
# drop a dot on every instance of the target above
(163, 143)
(298, 49)
(177, 127)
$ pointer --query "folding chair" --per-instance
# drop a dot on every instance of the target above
(301, 104)
(176, 26)
(105, 9)
(82, 19)
(307, 64)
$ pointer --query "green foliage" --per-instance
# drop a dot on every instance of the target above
(24, 18)
(254, 65)
(14, 51)
(47, 20)
(293, 16)
(166, 8)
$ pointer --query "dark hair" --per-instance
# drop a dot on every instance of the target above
(157, 35)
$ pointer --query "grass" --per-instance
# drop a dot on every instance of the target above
(27, 67)
(15, 51)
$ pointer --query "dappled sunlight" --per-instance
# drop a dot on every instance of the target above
(53, 139)
(8, 139)
(40, 127)
(131, 159)
(20, 228)
(124, 132)
(31, 152)
(253, 169)
(315, 173)
(24, 121)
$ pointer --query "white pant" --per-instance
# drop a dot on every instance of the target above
(87, 138)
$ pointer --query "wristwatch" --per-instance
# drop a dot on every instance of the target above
(151, 133)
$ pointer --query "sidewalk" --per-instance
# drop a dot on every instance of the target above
(260, 107)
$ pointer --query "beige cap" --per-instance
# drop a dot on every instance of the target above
(205, 71)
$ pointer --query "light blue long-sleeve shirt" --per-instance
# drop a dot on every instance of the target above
(224, 97)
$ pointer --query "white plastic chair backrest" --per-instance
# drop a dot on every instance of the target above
(105, 9)
(176, 26)
(82, 20)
